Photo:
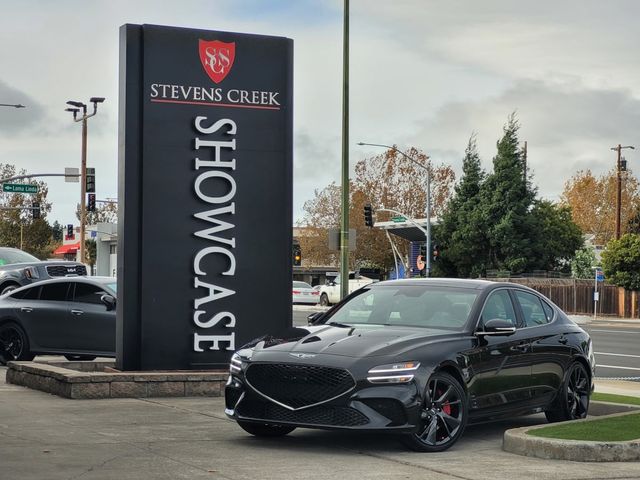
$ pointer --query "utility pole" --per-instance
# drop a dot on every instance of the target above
(344, 224)
(83, 165)
(619, 149)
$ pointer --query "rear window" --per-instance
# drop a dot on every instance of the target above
(54, 291)
(7, 257)
(301, 285)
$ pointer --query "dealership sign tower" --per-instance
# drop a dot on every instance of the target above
(205, 194)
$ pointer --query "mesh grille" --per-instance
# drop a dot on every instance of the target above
(319, 415)
(231, 397)
(298, 386)
(62, 270)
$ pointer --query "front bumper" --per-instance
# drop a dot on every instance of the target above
(389, 408)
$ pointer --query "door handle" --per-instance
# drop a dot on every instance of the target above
(26, 309)
(522, 347)
(77, 312)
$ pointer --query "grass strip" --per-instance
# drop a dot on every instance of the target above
(609, 397)
(613, 429)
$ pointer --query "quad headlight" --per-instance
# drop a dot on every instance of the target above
(236, 364)
(393, 373)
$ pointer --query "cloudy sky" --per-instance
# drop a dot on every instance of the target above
(424, 73)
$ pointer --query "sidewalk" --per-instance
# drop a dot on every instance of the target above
(618, 387)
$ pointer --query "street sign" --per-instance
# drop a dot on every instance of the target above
(19, 188)
(72, 175)
(398, 219)
(600, 276)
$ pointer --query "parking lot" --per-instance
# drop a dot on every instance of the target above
(47, 437)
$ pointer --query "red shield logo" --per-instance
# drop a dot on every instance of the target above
(217, 58)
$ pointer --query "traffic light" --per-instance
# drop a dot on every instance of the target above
(297, 256)
(368, 215)
(436, 252)
(69, 231)
(90, 182)
(35, 210)
(91, 202)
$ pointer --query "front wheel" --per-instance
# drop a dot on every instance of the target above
(265, 430)
(9, 288)
(324, 300)
(443, 415)
(14, 344)
(572, 401)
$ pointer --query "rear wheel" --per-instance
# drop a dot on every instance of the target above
(443, 415)
(8, 288)
(572, 401)
(14, 344)
(265, 430)
(324, 300)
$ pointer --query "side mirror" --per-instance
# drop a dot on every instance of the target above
(109, 302)
(314, 317)
(497, 327)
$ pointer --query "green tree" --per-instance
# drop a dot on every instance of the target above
(506, 199)
(460, 235)
(557, 237)
(583, 263)
(57, 231)
(621, 261)
(105, 212)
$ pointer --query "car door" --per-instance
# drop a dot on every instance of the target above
(500, 366)
(93, 324)
(44, 317)
(550, 349)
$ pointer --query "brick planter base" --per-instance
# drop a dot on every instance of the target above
(101, 380)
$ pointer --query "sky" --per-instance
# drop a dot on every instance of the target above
(423, 73)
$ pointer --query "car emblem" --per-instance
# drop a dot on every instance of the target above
(71, 269)
(217, 58)
(303, 355)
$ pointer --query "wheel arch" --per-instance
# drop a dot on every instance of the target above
(8, 282)
(454, 371)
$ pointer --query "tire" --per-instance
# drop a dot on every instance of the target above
(572, 400)
(14, 343)
(9, 288)
(74, 358)
(324, 300)
(443, 415)
(265, 430)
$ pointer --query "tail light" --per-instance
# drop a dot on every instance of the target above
(315, 292)
(295, 292)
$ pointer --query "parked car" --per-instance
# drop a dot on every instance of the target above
(73, 316)
(330, 293)
(302, 292)
(18, 268)
(420, 358)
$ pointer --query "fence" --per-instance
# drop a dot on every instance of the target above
(575, 296)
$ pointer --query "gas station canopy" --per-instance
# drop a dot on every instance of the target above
(406, 229)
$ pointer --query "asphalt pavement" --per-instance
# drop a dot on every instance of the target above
(44, 437)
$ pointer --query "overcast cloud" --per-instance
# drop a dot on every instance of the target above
(423, 73)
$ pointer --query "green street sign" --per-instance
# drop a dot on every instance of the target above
(398, 219)
(19, 188)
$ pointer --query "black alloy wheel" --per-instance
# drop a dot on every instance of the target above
(14, 344)
(443, 415)
(265, 430)
(572, 401)
(324, 300)
(9, 288)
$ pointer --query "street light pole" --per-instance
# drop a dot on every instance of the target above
(14, 105)
(619, 149)
(344, 222)
(83, 164)
(428, 207)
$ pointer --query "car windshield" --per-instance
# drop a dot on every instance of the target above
(408, 305)
(8, 257)
(301, 285)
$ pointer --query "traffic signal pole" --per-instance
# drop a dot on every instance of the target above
(83, 187)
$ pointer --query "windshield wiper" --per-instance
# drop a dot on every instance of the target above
(336, 324)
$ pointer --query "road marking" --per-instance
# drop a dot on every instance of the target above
(614, 366)
(618, 354)
(614, 331)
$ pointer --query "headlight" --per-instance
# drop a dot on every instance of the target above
(31, 273)
(393, 373)
(236, 364)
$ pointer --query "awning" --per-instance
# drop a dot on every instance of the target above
(407, 230)
(68, 248)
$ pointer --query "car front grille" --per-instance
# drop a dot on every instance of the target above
(318, 415)
(63, 270)
(299, 386)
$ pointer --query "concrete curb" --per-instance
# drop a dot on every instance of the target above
(519, 442)
(93, 380)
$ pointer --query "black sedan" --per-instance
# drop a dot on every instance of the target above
(73, 316)
(420, 358)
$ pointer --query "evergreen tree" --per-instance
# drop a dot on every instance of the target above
(460, 233)
(506, 201)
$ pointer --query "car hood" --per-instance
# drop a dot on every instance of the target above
(44, 263)
(350, 341)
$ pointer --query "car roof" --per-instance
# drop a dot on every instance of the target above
(443, 282)
(76, 279)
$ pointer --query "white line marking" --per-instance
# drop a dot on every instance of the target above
(614, 366)
(618, 354)
(614, 331)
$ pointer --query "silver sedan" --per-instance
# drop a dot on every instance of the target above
(302, 292)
